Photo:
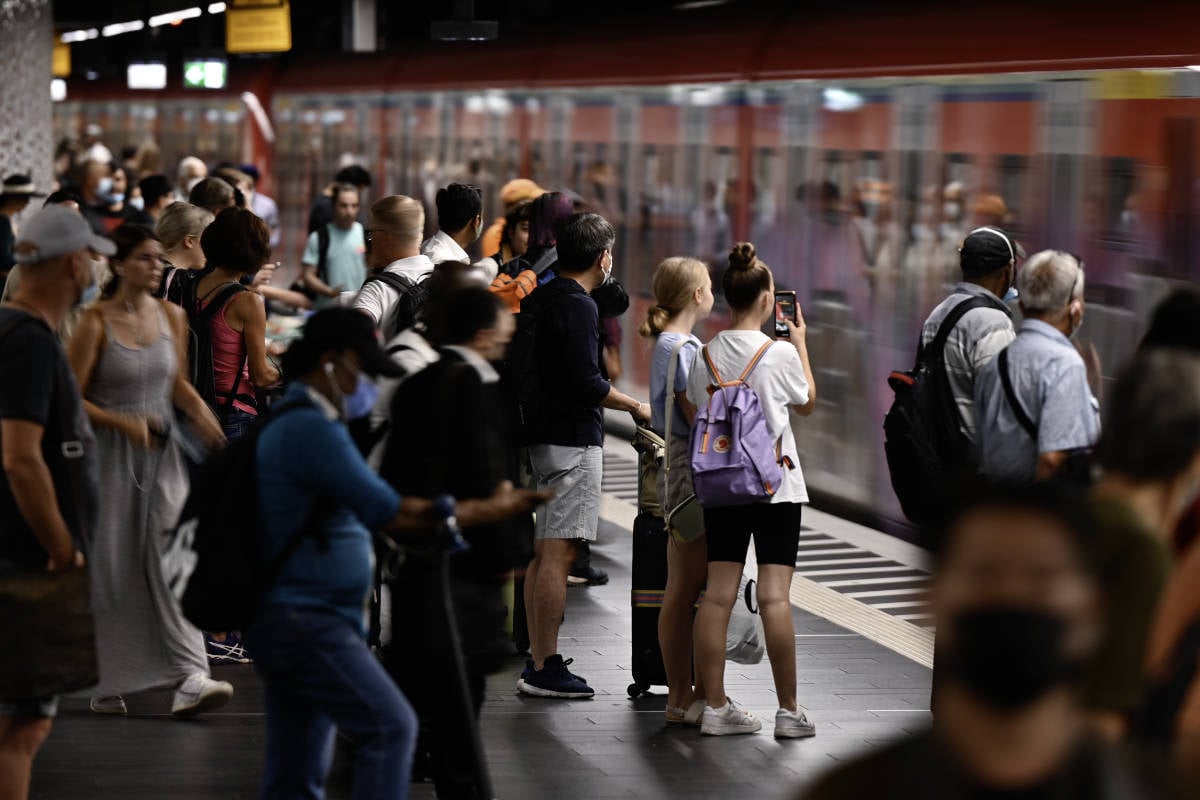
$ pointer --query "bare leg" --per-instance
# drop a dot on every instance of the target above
(20, 739)
(712, 623)
(687, 570)
(549, 596)
(529, 589)
(774, 604)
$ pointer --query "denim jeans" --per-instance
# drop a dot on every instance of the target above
(320, 677)
(236, 422)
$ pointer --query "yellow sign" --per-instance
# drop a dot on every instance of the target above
(61, 64)
(258, 28)
(1132, 84)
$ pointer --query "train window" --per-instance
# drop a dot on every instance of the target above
(1011, 181)
(1120, 185)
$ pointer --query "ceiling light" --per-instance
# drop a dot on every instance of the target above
(58, 90)
(692, 5)
(216, 8)
(174, 17)
(118, 28)
(79, 35)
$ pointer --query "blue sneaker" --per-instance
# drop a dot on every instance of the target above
(525, 673)
(555, 680)
(229, 651)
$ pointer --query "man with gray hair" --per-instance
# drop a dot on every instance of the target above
(191, 171)
(1035, 406)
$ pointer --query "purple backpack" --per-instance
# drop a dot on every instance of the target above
(734, 459)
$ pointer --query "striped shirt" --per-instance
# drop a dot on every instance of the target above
(974, 342)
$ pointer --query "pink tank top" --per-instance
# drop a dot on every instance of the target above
(228, 350)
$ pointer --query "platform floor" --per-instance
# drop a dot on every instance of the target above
(859, 692)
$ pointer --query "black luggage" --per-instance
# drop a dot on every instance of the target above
(649, 569)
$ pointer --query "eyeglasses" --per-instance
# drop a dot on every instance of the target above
(1078, 273)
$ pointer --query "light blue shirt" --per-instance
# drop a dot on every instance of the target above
(346, 264)
(1049, 380)
(658, 381)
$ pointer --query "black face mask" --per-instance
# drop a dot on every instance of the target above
(1009, 657)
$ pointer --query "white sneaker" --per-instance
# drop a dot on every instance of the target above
(200, 693)
(729, 720)
(109, 705)
(793, 725)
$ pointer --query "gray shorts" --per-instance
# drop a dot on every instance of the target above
(44, 708)
(574, 473)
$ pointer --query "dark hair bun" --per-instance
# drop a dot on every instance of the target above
(742, 256)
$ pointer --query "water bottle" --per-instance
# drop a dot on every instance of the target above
(451, 535)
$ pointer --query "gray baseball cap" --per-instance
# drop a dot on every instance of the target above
(55, 231)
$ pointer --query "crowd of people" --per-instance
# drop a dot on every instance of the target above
(133, 346)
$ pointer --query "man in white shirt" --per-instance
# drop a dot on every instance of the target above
(191, 171)
(393, 238)
(265, 207)
(460, 222)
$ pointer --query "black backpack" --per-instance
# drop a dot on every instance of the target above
(413, 295)
(200, 354)
(214, 564)
(521, 381)
(923, 440)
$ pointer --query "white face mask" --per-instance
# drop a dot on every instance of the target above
(105, 186)
(138, 202)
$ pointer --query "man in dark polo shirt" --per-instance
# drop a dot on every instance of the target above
(44, 514)
(567, 454)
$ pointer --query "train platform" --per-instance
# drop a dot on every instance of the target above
(864, 653)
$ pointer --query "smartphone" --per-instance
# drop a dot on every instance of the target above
(785, 309)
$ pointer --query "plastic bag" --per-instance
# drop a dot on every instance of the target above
(745, 641)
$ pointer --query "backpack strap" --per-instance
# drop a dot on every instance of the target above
(400, 283)
(938, 345)
(1011, 396)
(712, 368)
(670, 401)
(322, 251)
(205, 316)
(762, 351)
(547, 260)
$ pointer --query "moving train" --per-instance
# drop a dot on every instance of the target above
(854, 149)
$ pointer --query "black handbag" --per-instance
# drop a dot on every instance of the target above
(46, 619)
(48, 633)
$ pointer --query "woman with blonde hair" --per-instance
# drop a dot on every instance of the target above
(683, 296)
(179, 230)
(780, 374)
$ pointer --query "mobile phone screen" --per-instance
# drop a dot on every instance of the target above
(785, 309)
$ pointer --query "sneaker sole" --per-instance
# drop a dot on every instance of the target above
(537, 691)
(728, 730)
(793, 733)
(110, 711)
(218, 698)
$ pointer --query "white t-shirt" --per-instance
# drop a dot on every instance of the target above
(779, 382)
(441, 247)
(380, 300)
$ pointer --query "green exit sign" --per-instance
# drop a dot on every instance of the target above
(210, 73)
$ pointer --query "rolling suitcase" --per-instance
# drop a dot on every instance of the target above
(649, 569)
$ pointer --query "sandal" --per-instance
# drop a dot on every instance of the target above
(690, 716)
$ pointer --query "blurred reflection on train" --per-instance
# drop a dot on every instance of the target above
(857, 192)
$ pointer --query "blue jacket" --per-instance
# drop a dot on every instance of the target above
(308, 453)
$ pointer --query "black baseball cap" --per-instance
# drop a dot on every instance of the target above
(347, 329)
(986, 250)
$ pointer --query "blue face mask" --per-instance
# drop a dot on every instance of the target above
(117, 197)
(105, 186)
(1011, 294)
(361, 402)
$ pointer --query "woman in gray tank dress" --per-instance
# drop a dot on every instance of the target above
(126, 354)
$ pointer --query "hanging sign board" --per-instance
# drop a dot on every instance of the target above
(258, 27)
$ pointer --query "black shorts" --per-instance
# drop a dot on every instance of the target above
(774, 526)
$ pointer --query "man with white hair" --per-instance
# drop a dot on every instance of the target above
(192, 170)
(1035, 408)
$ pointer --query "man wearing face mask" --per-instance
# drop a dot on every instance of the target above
(1037, 414)
(460, 222)
(47, 488)
(308, 640)
(988, 258)
(1017, 600)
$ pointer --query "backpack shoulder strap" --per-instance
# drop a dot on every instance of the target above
(712, 368)
(218, 301)
(958, 312)
(762, 351)
(322, 251)
(401, 283)
(669, 401)
(1011, 396)
(547, 259)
